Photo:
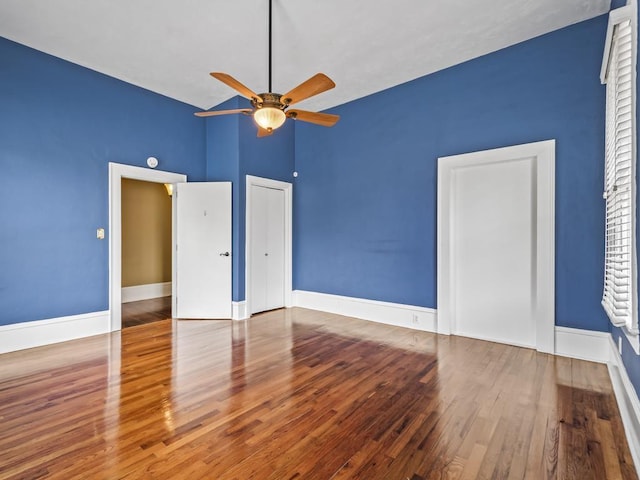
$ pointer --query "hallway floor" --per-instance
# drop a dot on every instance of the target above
(146, 311)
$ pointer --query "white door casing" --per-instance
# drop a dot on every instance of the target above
(278, 197)
(117, 172)
(203, 254)
(496, 245)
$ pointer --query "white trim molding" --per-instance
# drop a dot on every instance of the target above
(19, 336)
(583, 344)
(400, 315)
(145, 292)
(287, 188)
(627, 399)
(117, 172)
(239, 310)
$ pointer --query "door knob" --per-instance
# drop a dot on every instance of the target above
(225, 254)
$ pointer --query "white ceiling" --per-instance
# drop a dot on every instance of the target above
(365, 46)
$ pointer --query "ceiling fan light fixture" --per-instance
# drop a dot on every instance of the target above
(269, 118)
(270, 110)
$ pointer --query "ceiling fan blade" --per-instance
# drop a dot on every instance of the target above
(235, 84)
(222, 112)
(324, 119)
(317, 84)
(263, 132)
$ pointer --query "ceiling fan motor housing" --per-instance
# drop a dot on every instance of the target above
(268, 100)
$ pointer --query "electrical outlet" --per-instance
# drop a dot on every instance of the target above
(620, 345)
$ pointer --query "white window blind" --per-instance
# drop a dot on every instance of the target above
(619, 273)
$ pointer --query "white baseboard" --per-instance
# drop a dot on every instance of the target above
(239, 310)
(145, 292)
(583, 344)
(627, 399)
(569, 342)
(400, 315)
(19, 336)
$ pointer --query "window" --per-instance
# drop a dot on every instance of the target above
(619, 298)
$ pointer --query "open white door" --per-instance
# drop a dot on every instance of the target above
(203, 250)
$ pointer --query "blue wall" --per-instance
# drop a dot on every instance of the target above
(60, 125)
(365, 199)
(617, 4)
(223, 160)
(233, 152)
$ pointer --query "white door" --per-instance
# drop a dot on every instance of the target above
(203, 250)
(267, 245)
(495, 275)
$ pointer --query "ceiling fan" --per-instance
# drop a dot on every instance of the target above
(270, 110)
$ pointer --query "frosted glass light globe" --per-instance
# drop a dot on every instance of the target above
(269, 118)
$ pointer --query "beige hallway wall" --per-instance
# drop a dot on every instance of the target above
(146, 233)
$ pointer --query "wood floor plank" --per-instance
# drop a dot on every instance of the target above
(301, 394)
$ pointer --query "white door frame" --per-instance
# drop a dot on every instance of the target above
(117, 172)
(544, 153)
(287, 188)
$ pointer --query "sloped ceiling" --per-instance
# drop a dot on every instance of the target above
(170, 46)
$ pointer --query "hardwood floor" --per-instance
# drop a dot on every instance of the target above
(145, 311)
(299, 394)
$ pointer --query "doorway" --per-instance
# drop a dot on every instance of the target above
(146, 252)
(496, 245)
(116, 173)
(268, 244)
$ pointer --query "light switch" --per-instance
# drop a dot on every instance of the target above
(100, 234)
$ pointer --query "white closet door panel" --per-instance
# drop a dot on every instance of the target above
(495, 251)
(259, 247)
(267, 245)
(275, 249)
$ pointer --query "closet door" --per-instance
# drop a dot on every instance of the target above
(275, 249)
(267, 249)
(496, 245)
